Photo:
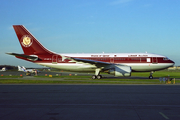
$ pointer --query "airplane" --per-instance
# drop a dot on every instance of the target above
(34, 71)
(117, 64)
(3, 69)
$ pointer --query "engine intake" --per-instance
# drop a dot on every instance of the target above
(119, 71)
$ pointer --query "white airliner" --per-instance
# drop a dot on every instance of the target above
(22, 68)
(117, 64)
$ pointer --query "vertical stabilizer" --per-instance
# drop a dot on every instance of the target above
(28, 42)
(21, 68)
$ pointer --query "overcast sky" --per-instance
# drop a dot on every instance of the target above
(92, 26)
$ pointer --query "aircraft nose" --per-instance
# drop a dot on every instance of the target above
(172, 62)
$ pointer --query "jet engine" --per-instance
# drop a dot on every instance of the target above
(119, 71)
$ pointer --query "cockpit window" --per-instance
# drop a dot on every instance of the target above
(165, 58)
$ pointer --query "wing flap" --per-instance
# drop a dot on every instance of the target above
(91, 61)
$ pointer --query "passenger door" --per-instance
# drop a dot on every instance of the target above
(154, 60)
(54, 59)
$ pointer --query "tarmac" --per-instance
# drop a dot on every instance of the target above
(90, 102)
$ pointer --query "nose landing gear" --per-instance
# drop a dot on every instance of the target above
(151, 75)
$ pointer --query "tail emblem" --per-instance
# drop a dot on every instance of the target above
(26, 41)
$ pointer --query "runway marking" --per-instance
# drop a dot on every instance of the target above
(163, 115)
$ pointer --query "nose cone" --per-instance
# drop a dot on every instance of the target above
(172, 63)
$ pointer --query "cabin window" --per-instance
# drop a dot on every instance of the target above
(143, 58)
(135, 58)
(165, 58)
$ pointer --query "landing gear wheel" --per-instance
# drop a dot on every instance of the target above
(150, 77)
(99, 76)
(93, 77)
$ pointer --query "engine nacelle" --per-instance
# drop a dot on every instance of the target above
(119, 71)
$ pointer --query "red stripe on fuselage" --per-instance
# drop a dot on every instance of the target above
(116, 60)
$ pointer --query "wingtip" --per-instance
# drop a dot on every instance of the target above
(9, 53)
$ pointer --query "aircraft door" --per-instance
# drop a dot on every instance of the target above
(111, 60)
(154, 60)
(54, 59)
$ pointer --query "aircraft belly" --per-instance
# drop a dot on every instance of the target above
(149, 67)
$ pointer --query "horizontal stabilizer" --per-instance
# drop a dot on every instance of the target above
(30, 57)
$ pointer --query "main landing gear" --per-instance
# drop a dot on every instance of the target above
(97, 74)
(151, 73)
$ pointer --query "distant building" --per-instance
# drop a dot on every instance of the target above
(178, 67)
(172, 68)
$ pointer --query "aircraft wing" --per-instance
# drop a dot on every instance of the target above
(94, 62)
(98, 64)
(91, 61)
(30, 57)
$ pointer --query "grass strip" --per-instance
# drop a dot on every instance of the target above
(164, 73)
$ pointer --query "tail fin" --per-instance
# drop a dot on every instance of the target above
(24, 69)
(29, 43)
(21, 69)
